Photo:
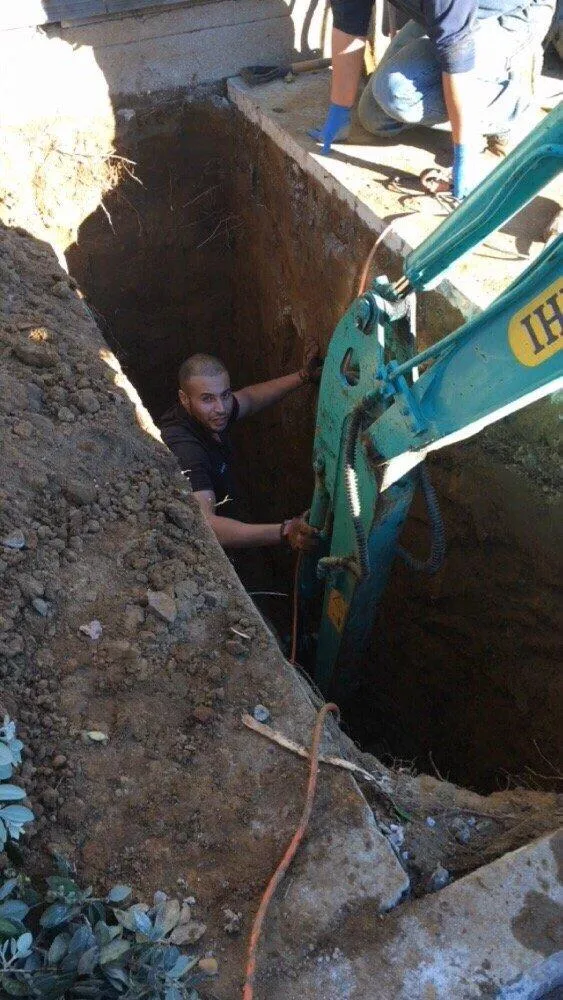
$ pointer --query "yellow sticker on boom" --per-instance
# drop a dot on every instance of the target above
(337, 609)
(535, 333)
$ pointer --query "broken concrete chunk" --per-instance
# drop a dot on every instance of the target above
(187, 933)
(95, 736)
(93, 629)
(39, 355)
(162, 605)
(86, 401)
(438, 879)
(14, 540)
(80, 493)
(42, 607)
(232, 921)
(179, 515)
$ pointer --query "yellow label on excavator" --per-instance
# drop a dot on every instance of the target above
(337, 609)
(535, 333)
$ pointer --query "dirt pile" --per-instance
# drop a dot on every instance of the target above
(139, 768)
(120, 617)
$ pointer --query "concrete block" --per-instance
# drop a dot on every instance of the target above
(494, 933)
(186, 46)
(368, 870)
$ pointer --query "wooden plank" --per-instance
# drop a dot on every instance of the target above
(26, 13)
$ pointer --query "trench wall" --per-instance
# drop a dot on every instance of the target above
(463, 665)
(227, 245)
(233, 249)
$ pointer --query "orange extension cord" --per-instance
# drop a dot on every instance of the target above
(248, 992)
(295, 617)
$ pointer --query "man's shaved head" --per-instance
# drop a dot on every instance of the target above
(200, 364)
(205, 391)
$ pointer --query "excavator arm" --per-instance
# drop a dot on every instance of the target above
(378, 417)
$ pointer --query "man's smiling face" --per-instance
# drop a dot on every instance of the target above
(209, 400)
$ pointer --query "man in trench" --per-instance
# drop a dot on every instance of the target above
(196, 430)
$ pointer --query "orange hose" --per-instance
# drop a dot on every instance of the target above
(369, 259)
(248, 992)
(294, 623)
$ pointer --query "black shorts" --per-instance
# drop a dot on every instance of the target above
(352, 16)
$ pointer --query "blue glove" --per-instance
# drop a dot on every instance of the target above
(463, 180)
(335, 128)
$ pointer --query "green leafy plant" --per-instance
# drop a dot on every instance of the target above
(12, 817)
(80, 946)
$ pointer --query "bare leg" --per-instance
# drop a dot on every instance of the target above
(347, 62)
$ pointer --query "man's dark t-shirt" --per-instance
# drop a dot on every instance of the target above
(204, 460)
(450, 24)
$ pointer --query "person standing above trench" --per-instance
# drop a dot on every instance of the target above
(196, 431)
(470, 61)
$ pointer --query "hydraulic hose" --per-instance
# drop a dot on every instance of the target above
(438, 535)
(352, 492)
(360, 565)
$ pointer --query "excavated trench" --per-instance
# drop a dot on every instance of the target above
(226, 246)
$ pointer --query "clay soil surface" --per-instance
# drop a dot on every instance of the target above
(96, 524)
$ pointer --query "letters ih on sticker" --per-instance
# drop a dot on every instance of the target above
(535, 333)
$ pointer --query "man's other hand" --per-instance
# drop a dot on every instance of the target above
(300, 535)
(312, 367)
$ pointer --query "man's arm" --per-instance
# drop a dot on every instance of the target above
(451, 27)
(457, 89)
(465, 133)
(254, 398)
(238, 535)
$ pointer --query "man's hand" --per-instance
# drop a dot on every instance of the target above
(312, 367)
(300, 535)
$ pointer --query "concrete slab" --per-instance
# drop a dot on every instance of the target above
(185, 46)
(379, 181)
(488, 935)
(372, 873)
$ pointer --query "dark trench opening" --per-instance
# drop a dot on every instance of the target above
(228, 248)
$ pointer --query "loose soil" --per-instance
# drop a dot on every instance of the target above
(181, 797)
(229, 247)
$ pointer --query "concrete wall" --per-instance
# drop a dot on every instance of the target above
(61, 84)
(167, 49)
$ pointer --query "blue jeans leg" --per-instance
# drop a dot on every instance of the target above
(406, 88)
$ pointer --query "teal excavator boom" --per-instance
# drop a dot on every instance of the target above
(378, 418)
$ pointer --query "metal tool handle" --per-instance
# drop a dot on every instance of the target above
(309, 64)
